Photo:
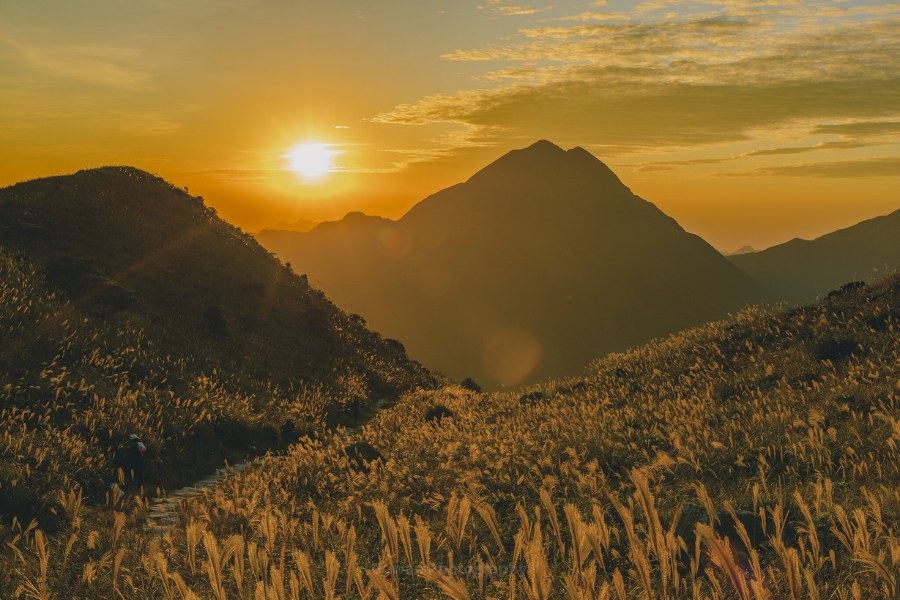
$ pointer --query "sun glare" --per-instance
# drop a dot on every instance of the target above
(311, 160)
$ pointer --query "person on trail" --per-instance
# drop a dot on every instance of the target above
(134, 459)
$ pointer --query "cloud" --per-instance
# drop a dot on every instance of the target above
(507, 9)
(844, 145)
(861, 128)
(615, 107)
(672, 164)
(680, 82)
(844, 169)
(816, 8)
(823, 146)
(112, 66)
(625, 44)
(595, 16)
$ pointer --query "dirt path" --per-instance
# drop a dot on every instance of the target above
(164, 510)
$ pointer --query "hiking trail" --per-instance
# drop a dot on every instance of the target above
(164, 510)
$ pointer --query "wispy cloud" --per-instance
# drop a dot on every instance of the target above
(861, 128)
(844, 169)
(622, 107)
(843, 145)
(507, 9)
(684, 81)
(112, 66)
(832, 146)
(673, 164)
(594, 16)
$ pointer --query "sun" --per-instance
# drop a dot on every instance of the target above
(312, 160)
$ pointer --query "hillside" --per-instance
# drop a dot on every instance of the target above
(127, 306)
(537, 264)
(781, 427)
(801, 270)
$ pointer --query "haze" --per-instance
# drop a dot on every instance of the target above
(748, 122)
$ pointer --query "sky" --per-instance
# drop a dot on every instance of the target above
(748, 121)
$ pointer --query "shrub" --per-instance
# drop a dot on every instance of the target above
(836, 348)
(215, 320)
(470, 384)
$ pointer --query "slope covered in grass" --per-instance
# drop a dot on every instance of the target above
(127, 247)
(595, 487)
(107, 328)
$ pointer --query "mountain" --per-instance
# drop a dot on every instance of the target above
(800, 270)
(117, 239)
(302, 225)
(739, 251)
(536, 265)
(128, 306)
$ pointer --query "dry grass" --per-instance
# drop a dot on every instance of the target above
(576, 497)
(72, 388)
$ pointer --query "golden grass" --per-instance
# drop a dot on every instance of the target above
(577, 497)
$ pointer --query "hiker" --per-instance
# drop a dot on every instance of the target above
(134, 459)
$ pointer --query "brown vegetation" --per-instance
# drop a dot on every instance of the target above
(578, 496)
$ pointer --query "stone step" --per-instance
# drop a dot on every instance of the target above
(164, 512)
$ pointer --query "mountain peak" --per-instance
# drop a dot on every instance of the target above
(356, 215)
(538, 263)
(543, 146)
(120, 172)
(545, 164)
(579, 152)
(115, 170)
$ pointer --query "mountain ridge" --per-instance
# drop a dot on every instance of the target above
(171, 261)
(800, 270)
(128, 307)
(527, 246)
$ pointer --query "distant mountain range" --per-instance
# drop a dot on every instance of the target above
(539, 263)
(801, 270)
(741, 250)
(536, 265)
(301, 225)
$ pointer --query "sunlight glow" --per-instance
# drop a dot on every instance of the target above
(311, 160)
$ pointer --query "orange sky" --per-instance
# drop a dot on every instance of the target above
(750, 122)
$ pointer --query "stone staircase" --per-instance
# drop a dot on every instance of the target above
(164, 511)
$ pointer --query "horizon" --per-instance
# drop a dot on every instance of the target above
(748, 125)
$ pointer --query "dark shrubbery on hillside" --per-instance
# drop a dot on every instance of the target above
(120, 240)
(470, 384)
(81, 281)
(131, 308)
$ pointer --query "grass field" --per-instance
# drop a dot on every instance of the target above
(595, 487)
(74, 385)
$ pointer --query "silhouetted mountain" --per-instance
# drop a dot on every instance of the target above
(302, 225)
(128, 307)
(739, 251)
(124, 243)
(800, 270)
(536, 265)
